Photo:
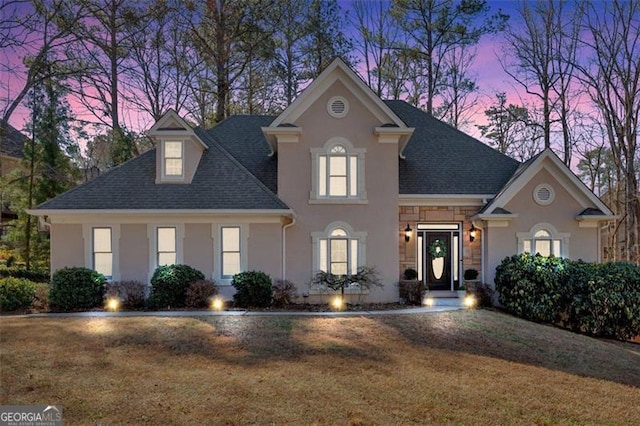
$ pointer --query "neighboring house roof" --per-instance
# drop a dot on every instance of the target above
(13, 141)
(220, 183)
(439, 159)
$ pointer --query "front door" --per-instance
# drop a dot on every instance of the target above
(437, 252)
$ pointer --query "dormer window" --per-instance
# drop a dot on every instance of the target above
(173, 159)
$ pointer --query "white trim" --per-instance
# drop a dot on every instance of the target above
(87, 236)
(564, 237)
(353, 83)
(334, 114)
(278, 135)
(196, 214)
(540, 201)
(351, 235)
(164, 178)
(169, 117)
(152, 236)
(471, 200)
(216, 235)
(359, 153)
(561, 173)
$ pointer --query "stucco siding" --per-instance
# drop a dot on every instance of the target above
(198, 247)
(378, 218)
(67, 246)
(134, 252)
(265, 249)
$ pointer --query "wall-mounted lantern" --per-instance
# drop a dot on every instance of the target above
(472, 233)
(407, 233)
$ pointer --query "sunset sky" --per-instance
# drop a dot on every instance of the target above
(490, 77)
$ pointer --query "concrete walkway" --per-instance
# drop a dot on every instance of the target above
(239, 313)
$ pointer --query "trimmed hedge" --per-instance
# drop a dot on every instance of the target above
(169, 285)
(253, 289)
(76, 288)
(595, 299)
(16, 293)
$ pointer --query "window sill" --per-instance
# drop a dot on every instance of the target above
(338, 201)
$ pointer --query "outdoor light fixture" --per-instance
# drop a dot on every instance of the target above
(428, 302)
(217, 304)
(469, 301)
(337, 303)
(113, 304)
(472, 233)
(407, 233)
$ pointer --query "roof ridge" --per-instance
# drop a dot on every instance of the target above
(200, 132)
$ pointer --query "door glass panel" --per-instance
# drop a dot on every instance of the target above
(438, 267)
(420, 254)
(454, 249)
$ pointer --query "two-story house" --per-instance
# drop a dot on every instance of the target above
(338, 180)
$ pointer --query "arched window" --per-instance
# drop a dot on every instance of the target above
(544, 240)
(338, 249)
(338, 172)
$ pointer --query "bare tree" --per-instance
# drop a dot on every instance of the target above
(378, 36)
(541, 59)
(438, 26)
(613, 79)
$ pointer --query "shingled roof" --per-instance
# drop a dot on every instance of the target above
(220, 183)
(238, 173)
(12, 143)
(440, 159)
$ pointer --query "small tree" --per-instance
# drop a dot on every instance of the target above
(366, 278)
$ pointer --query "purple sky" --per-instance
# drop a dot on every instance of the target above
(490, 76)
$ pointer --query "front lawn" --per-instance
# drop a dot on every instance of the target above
(467, 367)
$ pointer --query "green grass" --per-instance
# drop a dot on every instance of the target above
(464, 367)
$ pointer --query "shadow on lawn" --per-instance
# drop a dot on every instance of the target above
(498, 335)
(237, 340)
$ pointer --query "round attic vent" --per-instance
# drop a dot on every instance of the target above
(543, 194)
(338, 107)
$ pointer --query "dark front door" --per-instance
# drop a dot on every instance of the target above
(438, 261)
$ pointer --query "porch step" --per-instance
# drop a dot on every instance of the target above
(441, 294)
(446, 301)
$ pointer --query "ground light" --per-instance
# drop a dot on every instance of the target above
(470, 301)
(217, 304)
(428, 302)
(337, 303)
(112, 304)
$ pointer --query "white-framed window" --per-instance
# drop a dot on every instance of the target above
(231, 241)
(545, 240)
(230, 251)
(338, 250)
(166, 243)
(166, 247)
(102, 251)
(338, 172)
(173, 159)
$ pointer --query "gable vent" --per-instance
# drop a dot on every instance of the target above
(338, 107)
(543, 194)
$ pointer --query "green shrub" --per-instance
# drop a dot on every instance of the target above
(130, 293)
(200, 292)
(169, 285)
(16, 293)
(253, 289)
(605, 299)
(529, 287)
(596, 299)
(283, 293)
(410, 274)
(470, 274)
(15, 272)
(483, 294)
(76, 288)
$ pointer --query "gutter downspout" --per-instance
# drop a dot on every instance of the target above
(284, 247)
